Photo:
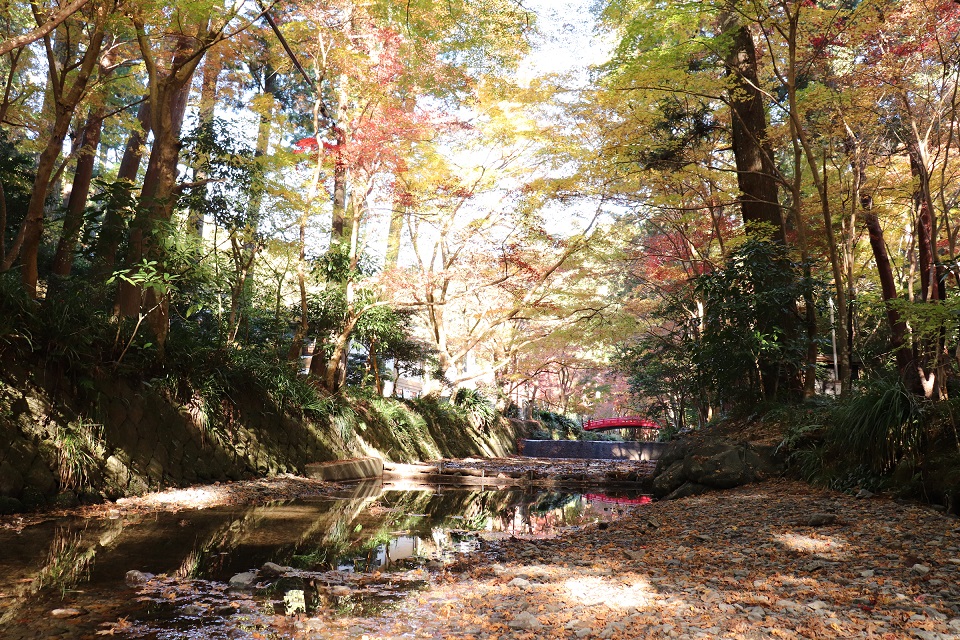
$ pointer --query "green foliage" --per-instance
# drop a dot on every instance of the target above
(218, 151)
(880, 437)
(480, 411)
(661, 370)
(729, 339)
(79, 450)
(752, 344)
(201, 366)
(71, 330)
(16, 178)
(881, 425)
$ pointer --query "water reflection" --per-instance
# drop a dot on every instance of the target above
(348, 556)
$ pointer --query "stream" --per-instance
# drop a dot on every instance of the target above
(169, 575)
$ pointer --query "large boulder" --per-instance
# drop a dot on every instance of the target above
(669, 479)
(711, 464)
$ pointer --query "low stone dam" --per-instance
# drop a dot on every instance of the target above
(594, 449)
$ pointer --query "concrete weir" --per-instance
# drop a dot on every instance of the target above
(357, 469)
(595, 449)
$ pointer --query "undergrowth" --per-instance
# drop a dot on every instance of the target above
(880, 438)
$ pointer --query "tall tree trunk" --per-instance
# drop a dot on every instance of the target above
(157, 191)
(337, 223)
(400, 199)
(756, 172)
(111, 229)
(888, 289)
(923, 206)
(208, 101)
(248, 253)
(340, 169)
(80, 192)
(168, 93)
(810, 310)
(27, 245)
(929, 350)
(843, 344)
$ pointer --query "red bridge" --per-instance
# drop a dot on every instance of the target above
(629, 422)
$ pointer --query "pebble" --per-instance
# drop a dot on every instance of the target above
(272, 570)
(245, 580)
(66, 613)
(920, 569)
(135, 578)
(525, 621)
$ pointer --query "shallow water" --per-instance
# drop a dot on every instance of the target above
(347, 555)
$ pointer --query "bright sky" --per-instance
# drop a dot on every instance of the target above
(567, 42)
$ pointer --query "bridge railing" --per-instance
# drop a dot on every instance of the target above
(621, 423)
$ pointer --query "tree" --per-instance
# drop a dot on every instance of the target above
(67, 89)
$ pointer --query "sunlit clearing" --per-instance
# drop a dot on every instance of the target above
(593, 591)
(806, 544)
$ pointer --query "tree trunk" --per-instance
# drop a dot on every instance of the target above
(27, 245)
(156, 195)
(888, 289)
(756, 172)
(79, 193)
(111, 229)
(396, 228)
(929, 352)
(168, 92)
(208, 101)
(247, 254)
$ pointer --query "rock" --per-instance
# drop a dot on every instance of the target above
(724, 469)
(33, 499)
(66, 613)
(863, 493)
(525, 621)
(686, 490)
(272, 570)
(719, 464)
(669, 480)
(520, 583)
(920, 569)
(65, 500)
(636, 556)
(867, 573)
(135, 578)
(675, 451)
(816, 565)
(340, 591)
(9, 506)
(245, 580)
(821, 519)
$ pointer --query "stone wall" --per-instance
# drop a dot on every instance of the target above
(125, 439)
(596, 449)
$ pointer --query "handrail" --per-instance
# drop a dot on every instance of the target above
(616, 423)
